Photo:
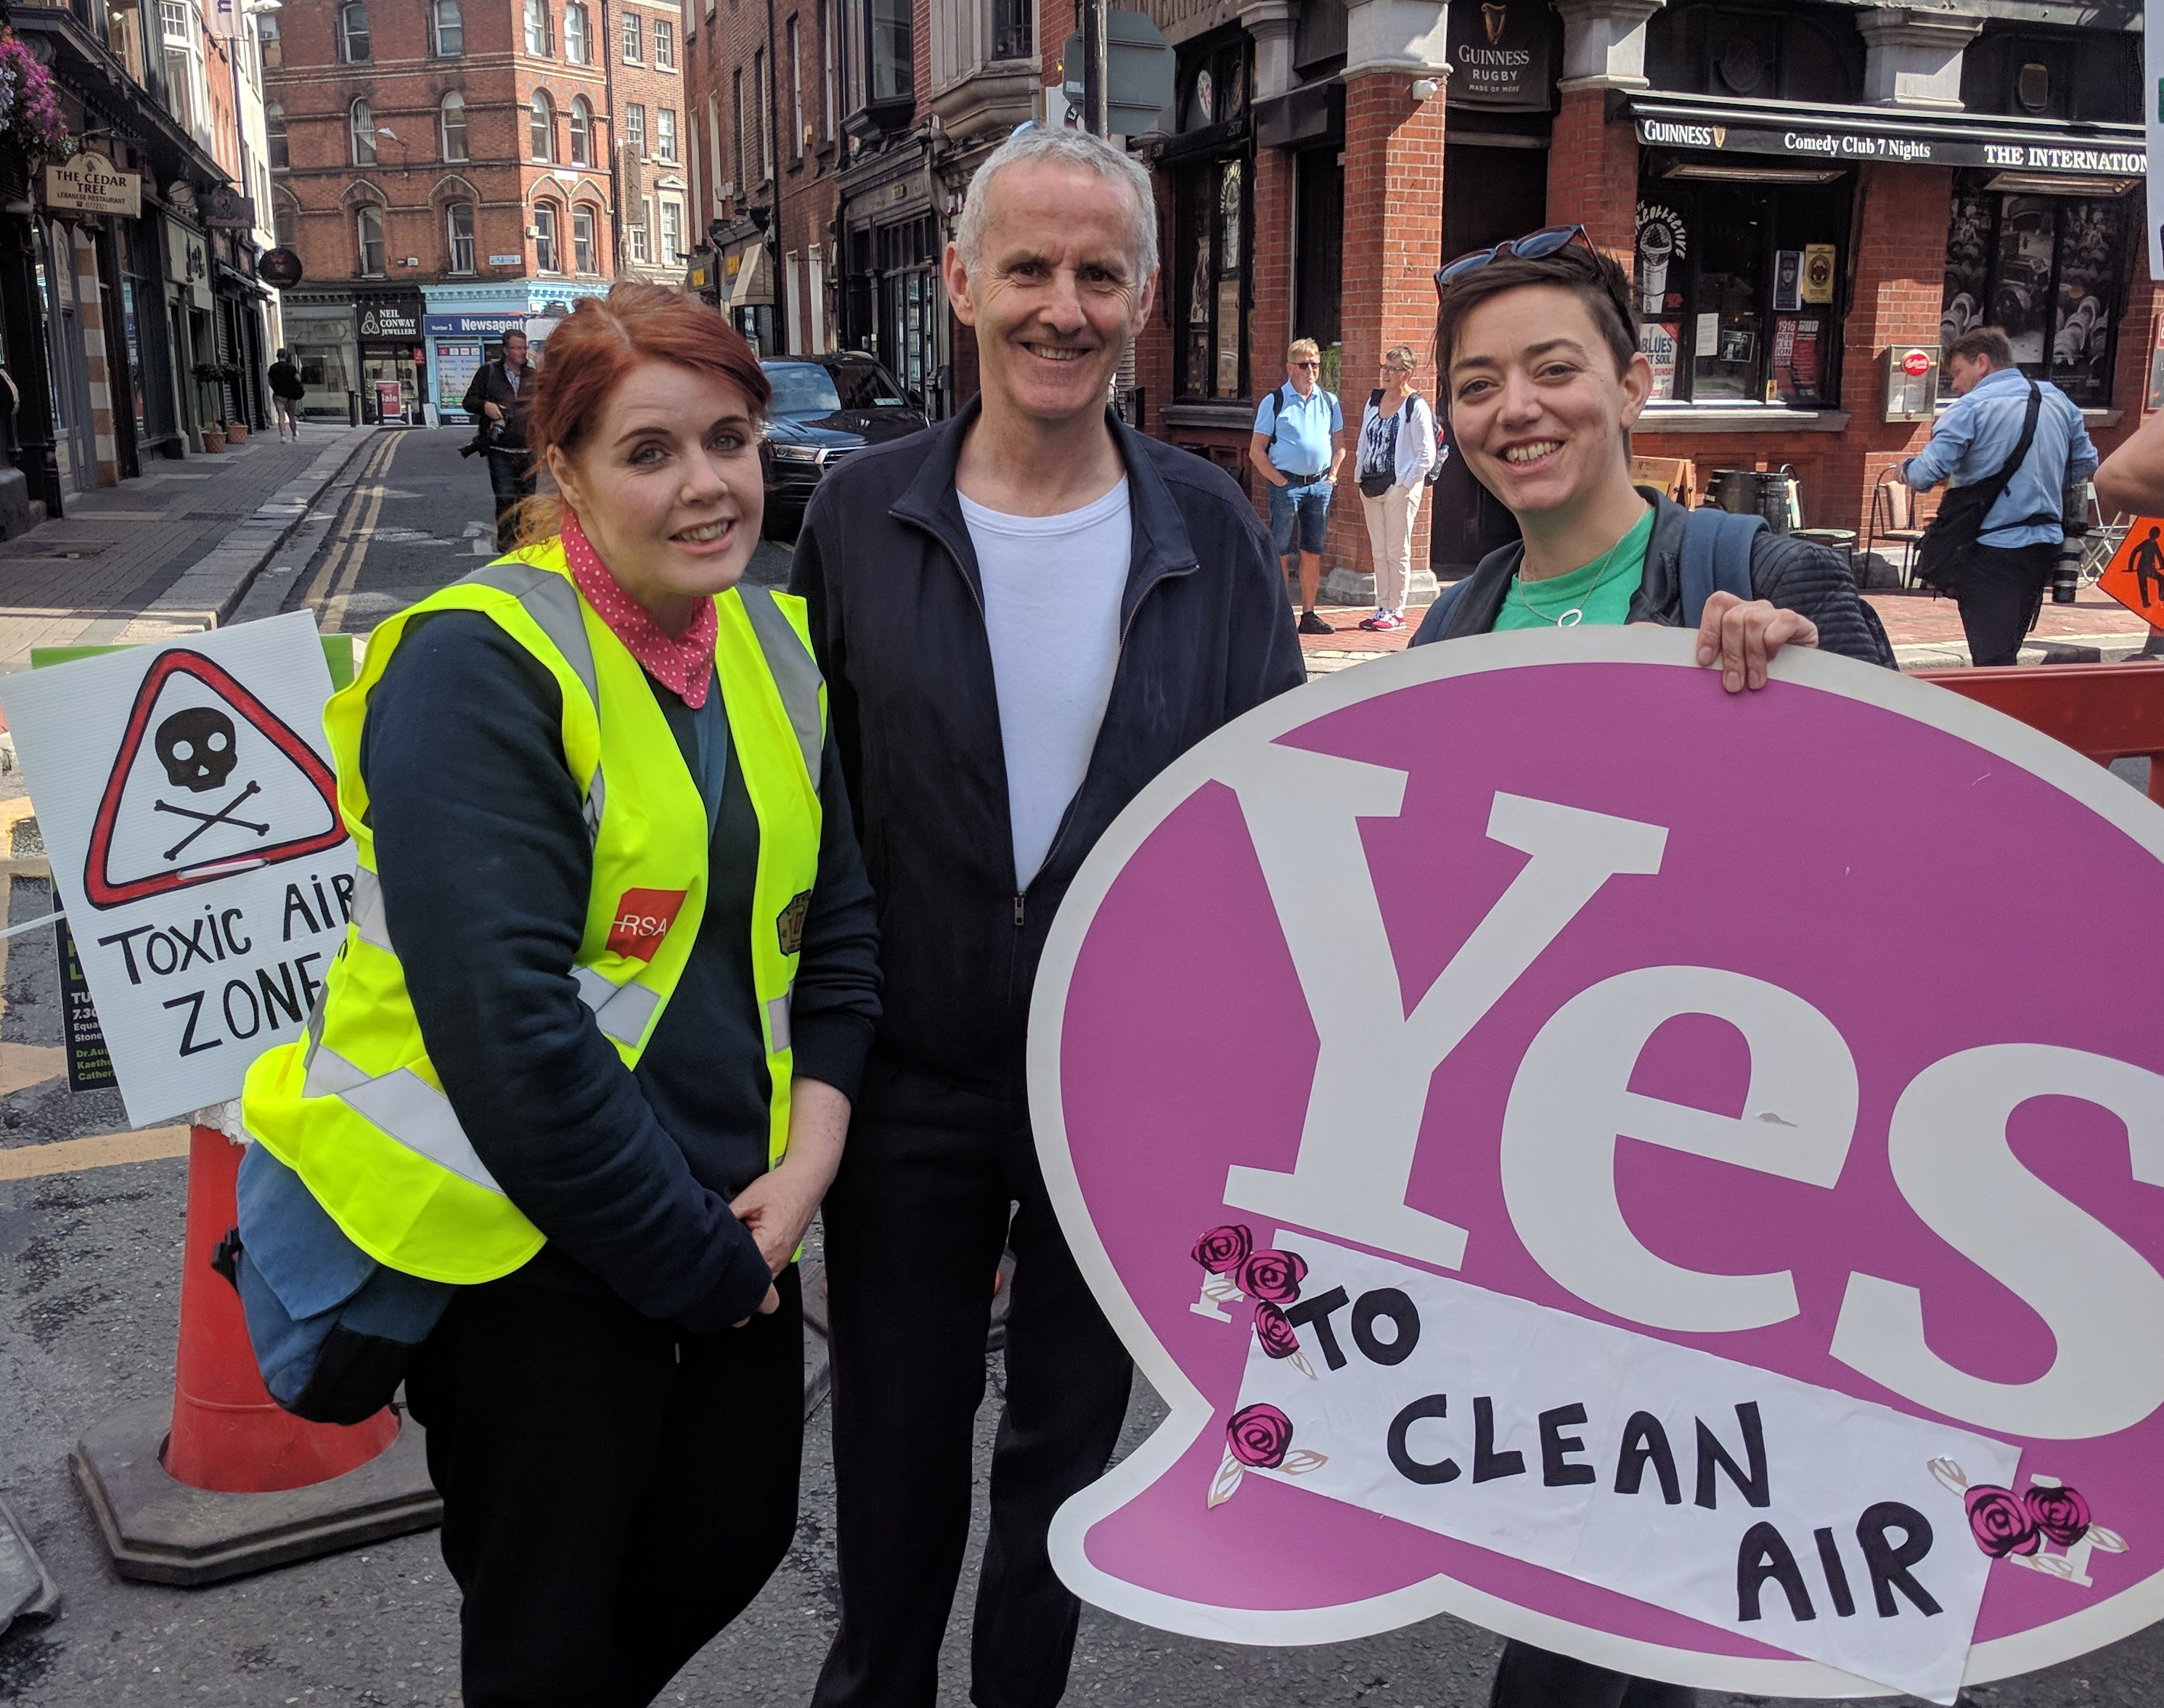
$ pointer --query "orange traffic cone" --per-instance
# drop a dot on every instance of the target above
(227, 1482)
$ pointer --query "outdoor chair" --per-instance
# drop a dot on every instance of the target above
(1893, 517)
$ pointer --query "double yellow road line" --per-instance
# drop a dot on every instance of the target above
(333, 586)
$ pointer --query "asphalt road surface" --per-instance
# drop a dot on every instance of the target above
(89, 1271)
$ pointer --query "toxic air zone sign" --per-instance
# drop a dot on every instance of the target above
(198, 850)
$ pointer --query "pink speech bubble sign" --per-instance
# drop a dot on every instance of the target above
(1880, 848)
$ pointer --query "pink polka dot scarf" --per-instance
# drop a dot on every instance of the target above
(684, 667)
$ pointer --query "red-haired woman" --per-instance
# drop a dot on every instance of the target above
(589, 1048)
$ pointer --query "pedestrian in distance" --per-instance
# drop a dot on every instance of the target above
(1296, 448)
(1023, 614)
(647, 1005)
(286, 392)
(1397, 449)
(497, 399)
(2011, 446)
(1536, 344)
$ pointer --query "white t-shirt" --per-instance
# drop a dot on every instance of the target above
(1052, 609)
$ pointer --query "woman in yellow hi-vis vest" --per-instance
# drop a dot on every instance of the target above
(589, 1048)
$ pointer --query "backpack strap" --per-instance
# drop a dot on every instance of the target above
(1716, 558)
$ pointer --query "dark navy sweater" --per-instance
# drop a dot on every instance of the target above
(486, 867)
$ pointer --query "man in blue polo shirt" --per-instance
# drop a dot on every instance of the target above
(1295, 448)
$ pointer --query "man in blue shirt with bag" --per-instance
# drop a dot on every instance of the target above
(1998, 581)
(1295, 448)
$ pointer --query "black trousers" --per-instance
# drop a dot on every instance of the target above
(1999, 591)
(1532, 1677)
(915, 1225)
(510, 478)
(615, 1491)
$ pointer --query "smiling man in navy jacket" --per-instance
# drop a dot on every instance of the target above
(1024, 615)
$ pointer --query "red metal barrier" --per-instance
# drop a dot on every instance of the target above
(2106, 712)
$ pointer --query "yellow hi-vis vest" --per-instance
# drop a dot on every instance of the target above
(355, 1107)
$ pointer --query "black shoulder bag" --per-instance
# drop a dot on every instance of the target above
(1943, 553)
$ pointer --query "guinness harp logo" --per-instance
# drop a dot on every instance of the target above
(1720, 136)
(1494, 17)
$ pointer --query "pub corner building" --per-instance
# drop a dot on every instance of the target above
(1812, 199)
(133, 325)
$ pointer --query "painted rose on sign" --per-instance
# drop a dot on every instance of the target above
(1605, 1160)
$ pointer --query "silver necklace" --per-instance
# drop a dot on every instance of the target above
(1576, 615)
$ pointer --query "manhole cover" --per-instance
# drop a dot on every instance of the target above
(73, 549)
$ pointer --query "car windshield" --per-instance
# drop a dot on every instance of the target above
(812, 388)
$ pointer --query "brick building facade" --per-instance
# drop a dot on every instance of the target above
(763, 93)
(444, 170)
(1797, 189)
(657, 217)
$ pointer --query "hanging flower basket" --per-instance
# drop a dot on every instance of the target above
(30, 106)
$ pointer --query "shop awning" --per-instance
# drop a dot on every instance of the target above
(1805, 134)
(749, 286)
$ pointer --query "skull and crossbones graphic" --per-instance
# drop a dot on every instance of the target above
(197, 749)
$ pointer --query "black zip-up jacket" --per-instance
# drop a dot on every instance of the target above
(491, 384)
(1794, 574)
(898, 622)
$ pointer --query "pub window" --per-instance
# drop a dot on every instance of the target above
(275, 140)
(664, 133)
(1210, 201)
(1738, 284)
(582, 239)
(268, 41)
(545, 237)
(2088, 77)
(448, 27)
(536, 26)
(1794, 53)
(368, 233)
(578, 38)
(361, 122)
(286, 219)
(633, 52)
(664, 45)
(2046, 271)
(635, 231)
(541, 126)
(353, 33)
(634, 128)
(453, 114)
(582, 131)
(459, 225)
(877, 77)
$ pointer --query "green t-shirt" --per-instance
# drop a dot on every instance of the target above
(1601, 589)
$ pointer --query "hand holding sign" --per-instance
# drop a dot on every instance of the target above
(1665, 1287)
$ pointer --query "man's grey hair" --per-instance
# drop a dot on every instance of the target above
(1039, 146)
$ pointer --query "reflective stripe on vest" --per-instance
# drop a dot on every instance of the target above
(355, 1105)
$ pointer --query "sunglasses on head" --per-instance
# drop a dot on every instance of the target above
(1531, 247)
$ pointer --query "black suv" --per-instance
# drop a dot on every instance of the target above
(824, 408)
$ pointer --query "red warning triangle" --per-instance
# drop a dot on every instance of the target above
(223, 786)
